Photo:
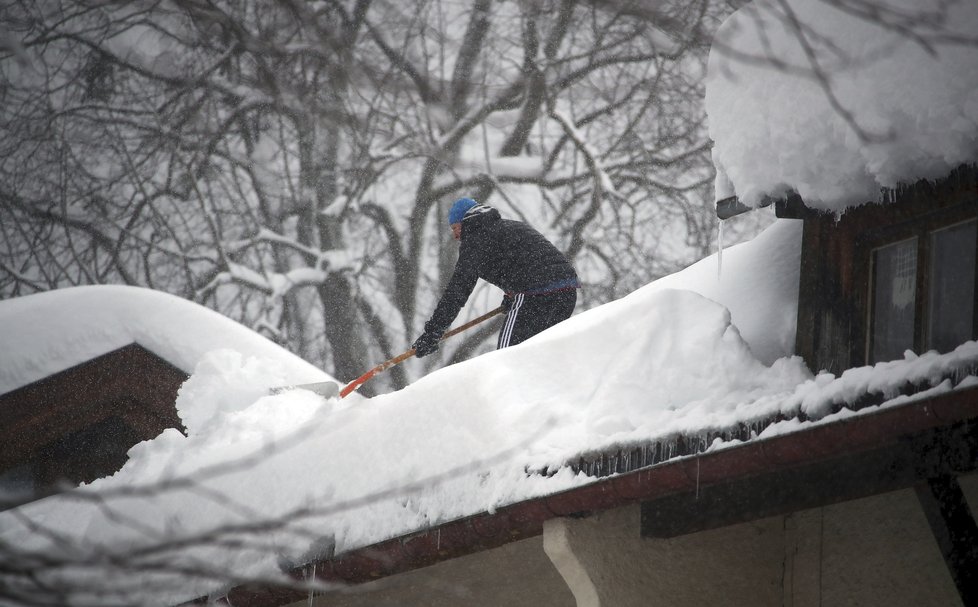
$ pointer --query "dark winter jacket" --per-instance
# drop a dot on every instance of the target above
(509, 254)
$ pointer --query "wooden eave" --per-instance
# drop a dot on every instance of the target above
(888, 449)
(131, 382)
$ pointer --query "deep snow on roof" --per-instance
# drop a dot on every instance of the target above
(49, 332)
(663, 359)
(332, 475)
(776, 130)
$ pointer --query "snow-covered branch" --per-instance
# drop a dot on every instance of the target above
(602, 181)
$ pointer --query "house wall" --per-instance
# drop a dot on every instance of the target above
(880, 551)
(517, 574)
(736, 565)
(867, 552)
(872, 551)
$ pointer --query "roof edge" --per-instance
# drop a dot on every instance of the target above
(820, 442)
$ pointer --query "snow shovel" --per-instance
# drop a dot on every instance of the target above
(353, 385)
(326, 389)
(330, 389)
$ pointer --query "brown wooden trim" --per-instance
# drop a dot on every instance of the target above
(810, 285)
(131, 382)
(899, 465)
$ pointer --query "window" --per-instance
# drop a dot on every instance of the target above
(911, 310)
(951, 309)
(894, 299)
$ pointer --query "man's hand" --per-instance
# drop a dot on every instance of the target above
(426, 344)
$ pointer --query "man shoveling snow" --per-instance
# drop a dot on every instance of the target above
(539, 283)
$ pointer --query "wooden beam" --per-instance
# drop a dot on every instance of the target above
(778, 493)
(898, 465)
(954, 528)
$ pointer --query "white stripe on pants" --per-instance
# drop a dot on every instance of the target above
(507, 332)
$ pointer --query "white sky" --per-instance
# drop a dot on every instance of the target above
(695, 351)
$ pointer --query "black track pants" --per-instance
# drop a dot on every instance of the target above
(531, 314)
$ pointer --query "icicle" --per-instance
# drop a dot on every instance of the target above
(719, 248)
(308, 579)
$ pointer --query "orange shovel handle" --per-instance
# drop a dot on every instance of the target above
(387, 364)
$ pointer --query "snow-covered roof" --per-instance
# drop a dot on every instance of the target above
(879, 108)
(661, 361)
(50, 332)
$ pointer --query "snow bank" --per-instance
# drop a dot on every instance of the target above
(50, 332)
(775, 130)
(655, 363)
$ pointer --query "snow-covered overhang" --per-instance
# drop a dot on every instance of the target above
(877, 429)
(804, 96)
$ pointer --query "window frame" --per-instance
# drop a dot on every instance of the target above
(921, 227)
(925, 320)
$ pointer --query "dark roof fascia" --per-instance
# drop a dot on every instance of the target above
(789, 206)
(851, 436)
(959, 184)
(76, 397)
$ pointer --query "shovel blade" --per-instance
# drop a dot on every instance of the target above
(326, 389)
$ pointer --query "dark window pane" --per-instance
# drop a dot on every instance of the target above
(952, 287)
(894, 289)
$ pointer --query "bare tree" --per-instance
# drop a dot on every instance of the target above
(290, 164)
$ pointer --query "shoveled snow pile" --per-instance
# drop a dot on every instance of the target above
(763, 303)
(780, 123)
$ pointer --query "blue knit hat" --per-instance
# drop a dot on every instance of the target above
(459, 209)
